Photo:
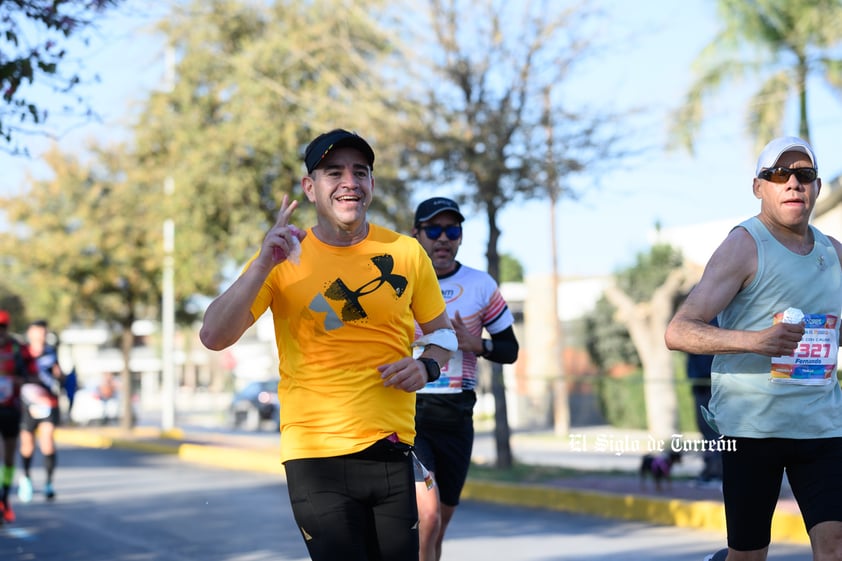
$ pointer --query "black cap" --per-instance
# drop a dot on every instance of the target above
(432, 207)
(320, 146)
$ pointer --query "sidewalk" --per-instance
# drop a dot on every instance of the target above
(609, 486)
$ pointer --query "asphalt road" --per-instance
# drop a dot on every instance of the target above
(121, 505)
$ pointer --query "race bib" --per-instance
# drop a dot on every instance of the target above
(39, 412)
(450, 380)
(814, 360)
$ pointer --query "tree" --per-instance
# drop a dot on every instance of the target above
(33, 53)
(792, 41)
(253, 83)
(644, 298)
(490, 67)
(511, 270)
(608, 343)
(14, 304)
(77, 252)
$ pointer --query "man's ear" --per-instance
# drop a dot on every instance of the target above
(755, 187)
(307, 187)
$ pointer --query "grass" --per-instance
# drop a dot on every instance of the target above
(530, 473)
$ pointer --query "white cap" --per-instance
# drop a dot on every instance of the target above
(773, 151)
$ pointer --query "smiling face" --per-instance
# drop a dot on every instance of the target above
(341, 188)
(442, 250)
(789, 204)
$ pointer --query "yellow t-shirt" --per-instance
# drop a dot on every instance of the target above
(338, 315)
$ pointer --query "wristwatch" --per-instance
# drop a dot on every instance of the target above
(433, 368)
(487, 348)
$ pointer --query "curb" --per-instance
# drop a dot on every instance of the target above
(170, 442)
(225, 457)
(703, 515)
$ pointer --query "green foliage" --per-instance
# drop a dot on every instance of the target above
(14, 304)
(621, 400)
(791, 41)
(610, 346)
(491, 82)
(607, 341)
(511, 270)
(254, 83)
(622, 403)
(649, 271)
(23, 63)
(86, 244)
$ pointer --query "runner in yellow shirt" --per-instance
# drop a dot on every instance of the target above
(345, 295)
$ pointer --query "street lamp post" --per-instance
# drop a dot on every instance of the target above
(168, 380)
(168, 321)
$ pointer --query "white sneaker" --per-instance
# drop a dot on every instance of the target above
(25, 490)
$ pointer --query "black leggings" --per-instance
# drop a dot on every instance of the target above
(359, 507)
(753, 473)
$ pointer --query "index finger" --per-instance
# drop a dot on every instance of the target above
(287, 208)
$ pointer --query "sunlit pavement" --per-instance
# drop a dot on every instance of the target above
(614, 495)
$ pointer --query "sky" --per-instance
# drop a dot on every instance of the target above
(614, 218)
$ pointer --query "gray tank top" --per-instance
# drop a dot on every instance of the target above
(744, 401)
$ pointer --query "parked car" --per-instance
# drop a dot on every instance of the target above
(256, 406)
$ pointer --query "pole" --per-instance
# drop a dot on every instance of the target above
(168, 380)
(561, 399)
(168, 322)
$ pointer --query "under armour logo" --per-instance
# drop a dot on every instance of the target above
(352, 309)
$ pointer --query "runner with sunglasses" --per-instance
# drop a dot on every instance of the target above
(775, 285)
(444, 408)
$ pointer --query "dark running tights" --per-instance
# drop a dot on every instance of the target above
(355, 509)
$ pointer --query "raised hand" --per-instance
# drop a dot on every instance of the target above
(283, 238)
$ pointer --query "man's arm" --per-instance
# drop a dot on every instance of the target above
(731, 268)
(440, 354)
(504, 347)
(838, 247)
(56, 373)
(229, 315)
(410, 374)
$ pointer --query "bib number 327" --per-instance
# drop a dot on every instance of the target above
(814, 360)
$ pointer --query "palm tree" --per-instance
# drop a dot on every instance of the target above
(784, 43)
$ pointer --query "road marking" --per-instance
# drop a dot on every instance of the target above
(17, 533)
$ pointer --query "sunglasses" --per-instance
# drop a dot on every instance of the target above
(433, 232)
(781, 175)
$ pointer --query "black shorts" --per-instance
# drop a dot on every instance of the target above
(752, 477)
(444, 440)
(9, 422)
(31, 418)
(356, 507)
